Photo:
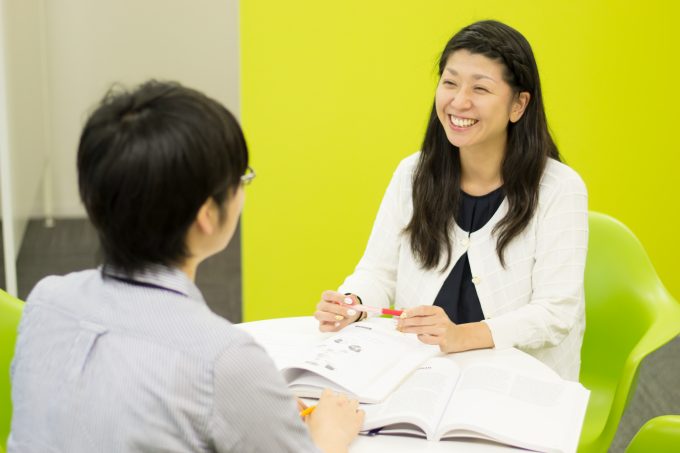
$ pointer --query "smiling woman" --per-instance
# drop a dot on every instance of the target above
(482, 235)
(475, 104)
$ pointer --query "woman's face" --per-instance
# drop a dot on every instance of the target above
(474, 103)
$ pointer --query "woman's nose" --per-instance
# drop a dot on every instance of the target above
(461, 100)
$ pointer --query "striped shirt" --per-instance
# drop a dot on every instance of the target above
(110, 364)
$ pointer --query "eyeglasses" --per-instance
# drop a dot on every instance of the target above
(248, 176)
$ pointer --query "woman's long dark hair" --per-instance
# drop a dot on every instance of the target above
(436, 181)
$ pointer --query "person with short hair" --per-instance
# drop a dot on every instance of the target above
(128, 357)
(482, 235)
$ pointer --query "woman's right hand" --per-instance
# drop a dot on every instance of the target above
(335, 422)
(335, 311)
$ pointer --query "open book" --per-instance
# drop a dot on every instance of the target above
(468, 395)
(365, 360)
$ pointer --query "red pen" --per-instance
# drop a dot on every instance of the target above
(382, 311)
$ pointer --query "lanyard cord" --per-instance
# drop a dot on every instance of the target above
(145, 284)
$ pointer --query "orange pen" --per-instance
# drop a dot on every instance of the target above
(307, 411)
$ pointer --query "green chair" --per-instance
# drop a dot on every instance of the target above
(10, 312)
(658, 435)
(629, 314)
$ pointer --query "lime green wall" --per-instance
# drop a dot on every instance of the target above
(334, 95)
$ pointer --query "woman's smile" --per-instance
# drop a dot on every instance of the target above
(460, 123)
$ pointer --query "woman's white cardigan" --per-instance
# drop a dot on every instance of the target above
(535, 303)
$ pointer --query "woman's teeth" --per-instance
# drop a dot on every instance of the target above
(462, 122)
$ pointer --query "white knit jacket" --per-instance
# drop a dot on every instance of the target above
(535, 303)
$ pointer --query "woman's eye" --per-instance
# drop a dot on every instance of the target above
(450, 83)
(481, 90)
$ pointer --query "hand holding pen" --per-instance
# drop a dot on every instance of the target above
(334, 422)
(336, 310)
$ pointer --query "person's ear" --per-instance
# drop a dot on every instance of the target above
(519, 105)
(205, 219)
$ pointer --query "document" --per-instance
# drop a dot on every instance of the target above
(366, 360)
(467, 395)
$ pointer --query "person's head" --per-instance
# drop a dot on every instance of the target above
(489, 91)
(489, 83)
(155, 164)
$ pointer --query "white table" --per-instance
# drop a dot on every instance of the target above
(277, 334)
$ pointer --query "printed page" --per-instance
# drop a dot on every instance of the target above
(368, 359)
(418, 404)
(283, 339)
(516, 409)
(285, 349)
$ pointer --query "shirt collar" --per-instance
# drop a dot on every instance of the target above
(158, 276)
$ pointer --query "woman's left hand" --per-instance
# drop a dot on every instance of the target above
(432, 326)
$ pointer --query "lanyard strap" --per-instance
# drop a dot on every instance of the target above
(145, 284)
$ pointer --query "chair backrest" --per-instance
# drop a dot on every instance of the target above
(629, 314)
(10, 313)
(658, 435)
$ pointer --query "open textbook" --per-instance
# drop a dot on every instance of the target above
(468, 395)
(366, 360)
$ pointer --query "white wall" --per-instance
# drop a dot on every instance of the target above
(94, 43)
(23, 132)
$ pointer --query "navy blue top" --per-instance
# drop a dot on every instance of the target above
(458, 296)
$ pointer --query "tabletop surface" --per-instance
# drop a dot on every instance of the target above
(282, 333)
